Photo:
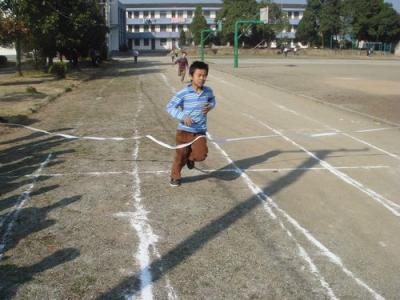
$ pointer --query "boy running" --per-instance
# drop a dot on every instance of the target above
(182, 65)
(191, 106)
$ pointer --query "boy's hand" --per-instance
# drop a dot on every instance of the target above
(188, 121)
(206, 109)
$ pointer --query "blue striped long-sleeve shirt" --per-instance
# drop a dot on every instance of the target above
(188, 103)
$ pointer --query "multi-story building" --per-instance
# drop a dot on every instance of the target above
(156, 24)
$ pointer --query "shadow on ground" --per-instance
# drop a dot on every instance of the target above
(207, 233)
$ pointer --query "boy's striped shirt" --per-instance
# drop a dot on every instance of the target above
(189, 103)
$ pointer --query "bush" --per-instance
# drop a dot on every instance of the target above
(3, 60)
(59, 69)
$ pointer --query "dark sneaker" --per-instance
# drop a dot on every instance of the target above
(175, 182)
(190, 164)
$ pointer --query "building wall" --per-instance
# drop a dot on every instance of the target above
(162, 22)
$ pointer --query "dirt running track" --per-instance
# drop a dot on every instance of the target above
(305, 204)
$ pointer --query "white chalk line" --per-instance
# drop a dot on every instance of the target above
(269, 204)
(335, 131)
(267, 201)
(198, 171)
(19, 204)
(219, 141)
(147, 238)
(395, 126)
(388, 204)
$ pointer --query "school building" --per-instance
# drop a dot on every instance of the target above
(156, 24)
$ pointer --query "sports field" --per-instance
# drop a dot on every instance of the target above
(299, 197)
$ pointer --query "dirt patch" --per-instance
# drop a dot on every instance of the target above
(22, 96)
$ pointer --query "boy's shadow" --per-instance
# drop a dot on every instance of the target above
(229, 172)
(13, 276)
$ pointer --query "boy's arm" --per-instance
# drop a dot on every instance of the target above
(211, 103)
(173, 108)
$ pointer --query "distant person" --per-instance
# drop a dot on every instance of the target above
(135, 56)
(173, 55)
(191, 106)
(183, 64)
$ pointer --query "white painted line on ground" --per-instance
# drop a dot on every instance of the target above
(388, 204)
(266, 200)
(257, 170)
(336, 131)
(325, 125)
(147, 238)
(19, 204)
(269, 204)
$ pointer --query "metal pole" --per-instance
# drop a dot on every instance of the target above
(202, 45)
(235, 46)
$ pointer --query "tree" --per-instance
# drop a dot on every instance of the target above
(182, 38)
(198, 24)
(277, 21)
(70, 27)
(308, 30)
(13, 27)
(371, 20)
(329, 19)
(234, 10)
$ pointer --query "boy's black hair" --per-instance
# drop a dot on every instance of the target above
(198, 65)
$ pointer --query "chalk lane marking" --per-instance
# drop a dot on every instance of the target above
(335, 131)
(388, 204)
(20, 203)
(284, 108)
(267, 201)
(199, 171)
(147, 238)
(269, 204)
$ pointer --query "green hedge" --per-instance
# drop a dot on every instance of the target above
(59, 69)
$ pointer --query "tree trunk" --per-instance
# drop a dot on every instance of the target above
(19, 50)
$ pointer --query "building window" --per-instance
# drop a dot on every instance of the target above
(296, 14)
(145, 42)
(180, 14)
(190, 13)
(206, 13)
(130, 28)
(136, 28)
(129, 15)
(146, 28)
(145, 14)
(153, 28)
(173, 28)
(137, 42)
(136, 14)
(173, 13)
(180, 28)
(152, 15)
(163, 28)
(163, 14)
(163, 42)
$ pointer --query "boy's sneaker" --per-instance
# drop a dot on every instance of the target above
(190, 164)
(175, 182)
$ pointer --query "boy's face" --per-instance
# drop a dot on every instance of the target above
(199, 77)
